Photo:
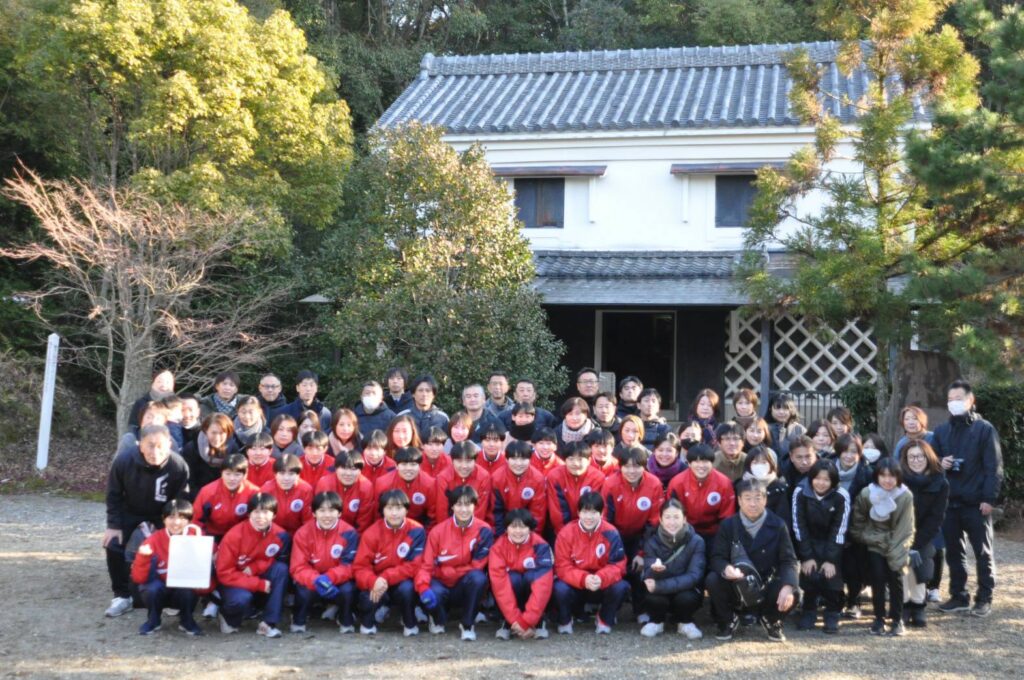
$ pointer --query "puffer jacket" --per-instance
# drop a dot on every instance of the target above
(685, 571)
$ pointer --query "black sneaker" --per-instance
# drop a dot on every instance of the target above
(774, 630)
(957, 603)
(831, 622)
(897, 629)
(915, 616)
(190, 628)
(878, 627)
(726, 630)
(981, 609)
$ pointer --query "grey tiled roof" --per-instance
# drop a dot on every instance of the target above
(686, 87)
(637, 277)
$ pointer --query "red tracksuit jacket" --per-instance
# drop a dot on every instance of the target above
(151, 558)
(490, 466)
(545, 467)
(260, 475)
(312, 474)
(579, 554)
(294, 507)
(317, 551)
(394, 554)
(453, 551)
(244, 547)
(479, 479)
(422, 493)
(373, 473)
(444, 462)
(564, 491)
(217, 509)
(707, 503)
(358, 504)
(512, 493)
(535, 561)
(631, 510)
(610, 467)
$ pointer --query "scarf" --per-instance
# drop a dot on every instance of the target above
(745, 421)
(753, 526)
(522, 433)
(707, 428)
(337, 445)
(214, 459)
(665, 474)
(883, 502)
(247, 434)
(569, 435)
(846, 477)
(671, 540)
(225, 407)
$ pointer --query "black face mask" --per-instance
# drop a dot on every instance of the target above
(522, 432)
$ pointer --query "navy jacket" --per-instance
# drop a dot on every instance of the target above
(931, 496)
(425, 420)
(272, 409)
(771, 551)
(378, 420)
(400, 404)
(297, 408)
(685, 572)
(974, 440)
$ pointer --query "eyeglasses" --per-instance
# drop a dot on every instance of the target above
(270, 387)
(587, 382)
(916, 457)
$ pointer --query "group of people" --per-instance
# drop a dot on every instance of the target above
(506, 512)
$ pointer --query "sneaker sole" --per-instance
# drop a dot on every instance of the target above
(978, 615)
(954, 610)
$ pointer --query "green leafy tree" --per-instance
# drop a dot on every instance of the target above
(878, 229)
(429, 271)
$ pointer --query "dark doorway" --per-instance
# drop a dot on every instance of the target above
(641, 344)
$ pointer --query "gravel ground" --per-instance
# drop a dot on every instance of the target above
(54, 584)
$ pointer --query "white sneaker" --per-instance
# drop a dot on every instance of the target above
(346, 630)
(651, 629)
(225, 627)
(643, 618)
(690, 630)
(435, 629)
(267, 630)
(542, 632)
(410, 632)
(421, 616)
(602, 628)
(297, 628)
(363, 630)
(934, 595)
(503, 633)
(210, 611)
(468, 634)
(119, 606)
(566, 629)
(330, 613)
(381, 615)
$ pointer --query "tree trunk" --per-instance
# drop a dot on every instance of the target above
(135, 382)
(892, 391)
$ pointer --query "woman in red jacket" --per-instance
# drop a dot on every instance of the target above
(590, 564)
(521, 574)
(225, 502)
(149, 571)
(452, 572)
(358, 504)
(390, 554)
(706, 494)
(252, 563)
(294, 495)
(323, 551)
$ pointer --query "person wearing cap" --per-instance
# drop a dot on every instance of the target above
(752, 567)
(453, 572)
(422, 408)
(464, 470)
(567, 484)
(418, 486)
(590, 564)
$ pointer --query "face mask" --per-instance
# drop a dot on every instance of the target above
(871, 455)
(760, 470)
(957, 407)
(370, 404)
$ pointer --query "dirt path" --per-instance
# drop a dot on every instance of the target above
(54, 587)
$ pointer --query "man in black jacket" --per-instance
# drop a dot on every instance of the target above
(138, 486)
(753, 540)
(968, 447)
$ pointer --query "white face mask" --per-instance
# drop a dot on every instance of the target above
(370, 404)
(760, 470)
(957, 407)
(871, 455)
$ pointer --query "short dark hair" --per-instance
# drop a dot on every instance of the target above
(591, 500)
(376, 439)
(599, 436)
(393, 497)
(289, 462)
(524, 407)
(580, 448)
(315, 438)
(544, 434)
(847, 440)
(263, 440)
(575, 402)
(462, 492)
(397, 371)
(426, 379)
(828, 466)
(465, 450)
(888, 465)
(236, 462)
(960, 384)
(649, 392)
(700, 452)
(730, 428)
(497, 374)
(177, 506)
(672, 503)
(408, 454)
(606, 395)
(800, 441)
(669, 437)
(632, 454)
(586, 369)
(761, 452)
(227, 375)
(306, 374)
(518, 449)
(520, 516)
(842, 414)
(744, 485)
(436, 436)
(328, 499)
(348, 460)
(262, 501)
(491, 428)
(630, 379)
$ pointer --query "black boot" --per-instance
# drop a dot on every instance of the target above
(916, 617)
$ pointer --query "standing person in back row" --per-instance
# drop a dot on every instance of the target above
(968, 448)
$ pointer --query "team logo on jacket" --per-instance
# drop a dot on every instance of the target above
(403, 550)
(335, 551)
(241, 509)
(714, 497)
(527, 493)
(529, 563)
(353, 505)
(601, 549)
(273, 549)
(296, 505)
(418, 498)
(644, 503)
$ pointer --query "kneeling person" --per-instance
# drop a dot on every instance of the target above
(753, 566)
(454, 560)
(590, 564)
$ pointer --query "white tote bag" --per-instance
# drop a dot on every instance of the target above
(189, 560)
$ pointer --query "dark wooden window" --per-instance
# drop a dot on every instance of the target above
(541, 202)
(733, 196)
